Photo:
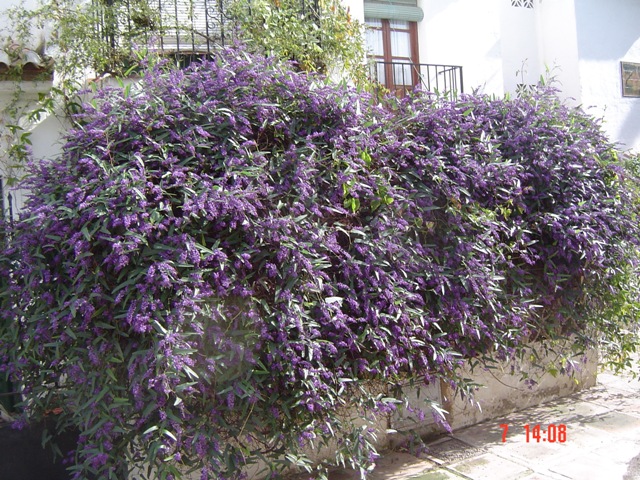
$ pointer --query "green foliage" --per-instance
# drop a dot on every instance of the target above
(618, 327)
(321, 37)
(84, 37)
(80, 40)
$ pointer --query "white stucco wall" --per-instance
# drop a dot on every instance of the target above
(356, 9)
(7, 34)
(44, 134)
(521, 49)
(46, 139)
(559, 45)
(466, 33)
(18, 100)
(608, 33)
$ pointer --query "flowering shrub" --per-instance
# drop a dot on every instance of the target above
(225, 258)
(521, 204)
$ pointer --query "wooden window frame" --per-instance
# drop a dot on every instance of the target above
(388, 58)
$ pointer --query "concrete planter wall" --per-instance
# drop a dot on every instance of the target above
(502, 391)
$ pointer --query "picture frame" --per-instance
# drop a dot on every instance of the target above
(630, 76)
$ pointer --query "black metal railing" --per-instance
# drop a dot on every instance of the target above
(185, 28)
(8, 397)
(400, 78)
(2, 207)
(10, 209)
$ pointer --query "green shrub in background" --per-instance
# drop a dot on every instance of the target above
(318, 36)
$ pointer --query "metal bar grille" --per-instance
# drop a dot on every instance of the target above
(6, 209)
(2, 207)
(403, 77)
(188, 29)
(184, 28)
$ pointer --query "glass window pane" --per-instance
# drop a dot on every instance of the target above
(401, 24)
(374, 42)
(402, 74)
(400, 44)
(377, 72)
(373, 22)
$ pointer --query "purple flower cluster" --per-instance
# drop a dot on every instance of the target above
(225, 257)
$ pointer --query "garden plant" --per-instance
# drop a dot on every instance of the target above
(229, 262)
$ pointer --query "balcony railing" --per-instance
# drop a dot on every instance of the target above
(180, 27)
(400, 78)
(189, 29)
(185, 28)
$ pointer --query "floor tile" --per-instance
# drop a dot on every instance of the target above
(439, 474)
(590, 467)
(490, 467)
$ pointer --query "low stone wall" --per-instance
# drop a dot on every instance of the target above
(503, 389)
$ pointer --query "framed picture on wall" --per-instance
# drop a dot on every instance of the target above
(630, 79)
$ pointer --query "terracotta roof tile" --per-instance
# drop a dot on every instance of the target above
(27, 64)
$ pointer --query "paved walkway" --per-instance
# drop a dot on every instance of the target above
(602, 427)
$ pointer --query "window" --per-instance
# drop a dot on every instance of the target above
(524, 89)
(394, 46)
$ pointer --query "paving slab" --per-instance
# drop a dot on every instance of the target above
(440, 474)
(622, 451)
(483, 435)
(392, 466)
(545, 476)
(615, 423)
(450, 449)
(490, 466)
(590, 467)
(565, 411)
(536, 453)
(620, 382)
(398, 466)
(585, 438)
(602, 393)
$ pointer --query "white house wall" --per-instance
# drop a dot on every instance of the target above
(608, 33)
(8, 37)
(559, 46)
(521, 48)
(466, 33)
(501, 45)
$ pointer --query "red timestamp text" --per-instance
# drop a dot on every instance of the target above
(536, 433)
